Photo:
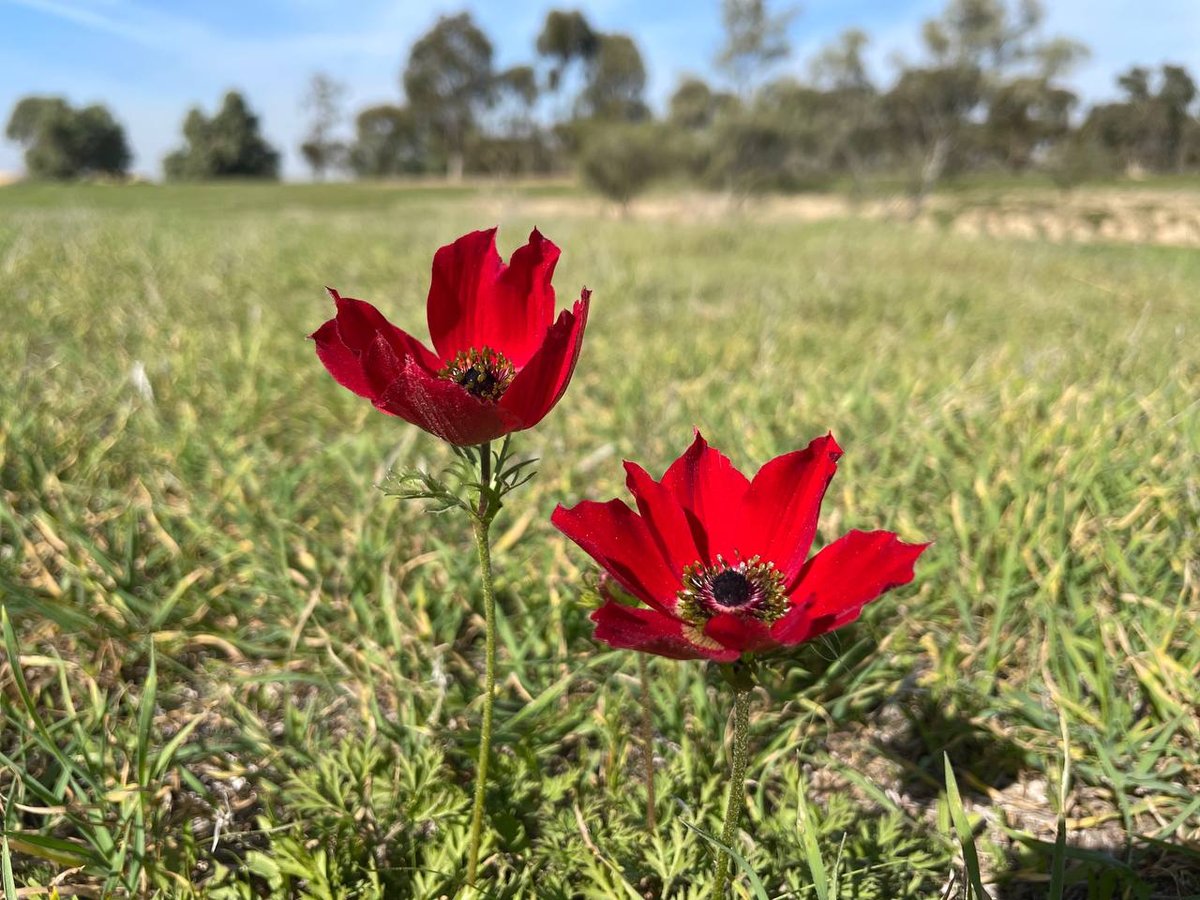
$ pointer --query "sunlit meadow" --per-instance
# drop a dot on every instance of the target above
(247, 672)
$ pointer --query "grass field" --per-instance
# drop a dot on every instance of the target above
(247, 672)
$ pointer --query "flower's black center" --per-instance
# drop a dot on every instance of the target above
(484, 373)
(749, 587)
(731, 588)
(476, 382)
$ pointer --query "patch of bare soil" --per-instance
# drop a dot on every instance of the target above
(1143, 216)
(1108, 215)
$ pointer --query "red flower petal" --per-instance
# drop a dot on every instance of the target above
(381, 365)
(541, 384)
(476, 301)
(665, 518)
(711, 490)
(839, 581)
(345, 342)
(617, 538)
(739, 633)
(444, 408)
(358, 322)
(634, 628)
(464, 276)
(522, 306)
(342, 362)
(779, 518)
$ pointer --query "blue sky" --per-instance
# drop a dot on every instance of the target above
(149, 61)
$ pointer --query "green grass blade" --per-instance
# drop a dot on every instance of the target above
(145, 722)
(756, 885)
(52, 849)
(543, 700)
(1058, 863)
(812, 850)
(966, 837)
(6, 870)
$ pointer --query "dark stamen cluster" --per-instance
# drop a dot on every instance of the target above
(731, 588)
(749, 587)
(484, 373)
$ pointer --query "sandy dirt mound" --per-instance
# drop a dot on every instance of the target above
(1141, 216)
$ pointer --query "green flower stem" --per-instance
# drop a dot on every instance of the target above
(736, 798)
(482, 524)
(648, 741)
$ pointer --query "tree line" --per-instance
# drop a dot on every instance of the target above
(988, 92)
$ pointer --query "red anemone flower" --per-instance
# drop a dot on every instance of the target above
(720, 560)
(500, 360)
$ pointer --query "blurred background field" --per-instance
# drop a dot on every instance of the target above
(961, 235)
(247, 672)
